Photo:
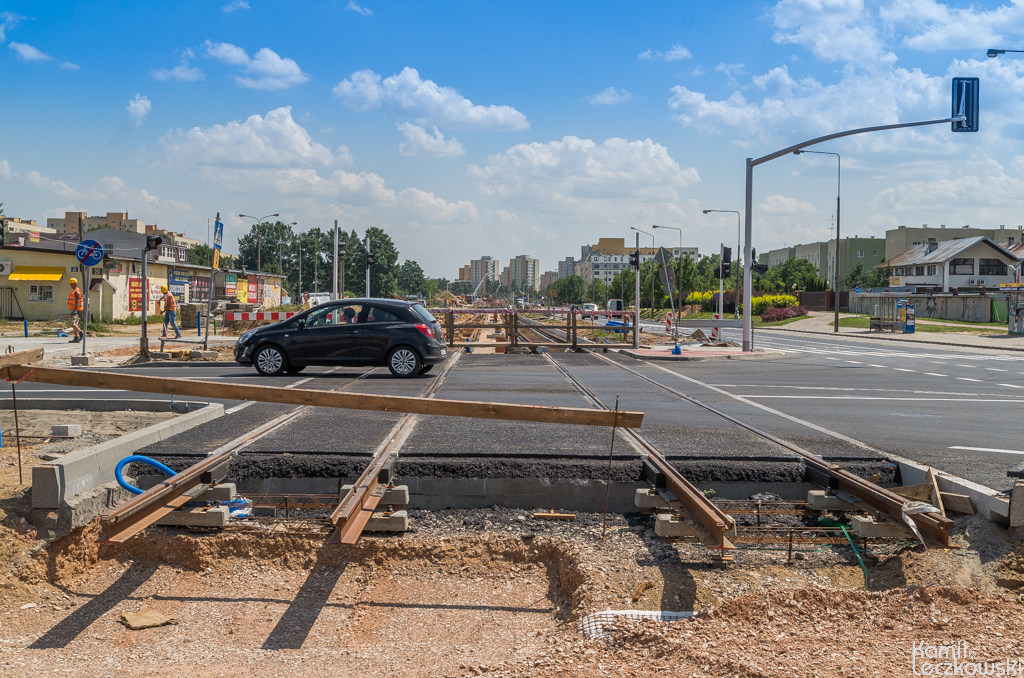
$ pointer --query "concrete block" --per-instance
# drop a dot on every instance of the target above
(70, 430)
(46, 487)
(867, 527)
(820, 500)
(178, 353)
(203, 355)
(393, 496)
(647, 498)
(197, 517)
(1017, 505)
(668, 525)
(88, 359)
(381, 522)
(160, 355)
(222, 492)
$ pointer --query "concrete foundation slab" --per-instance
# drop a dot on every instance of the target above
(197, 517)
(385, 522)
(868, 528)
(222, 492)
(1017, 505)
(820, 500)
(668, 525)
(393, 496)
(88, 359)
(649, 499)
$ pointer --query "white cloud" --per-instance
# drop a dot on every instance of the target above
(236, 4)
(182, 72)
(610, 95)
(68, 66)
(8, 20)
(138, 109)
(674, 53)
(29, 53)
(268, 70)
(5, 169)
(425, 101)
(58, 188)
(272, 141)
(834, 30)
(354, 7)
(780, 204)
(420, 142)
(572, 169)
(940, 27)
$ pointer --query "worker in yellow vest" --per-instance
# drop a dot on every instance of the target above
(170, 306)
(76, 304)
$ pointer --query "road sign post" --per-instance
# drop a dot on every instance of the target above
(89, 253)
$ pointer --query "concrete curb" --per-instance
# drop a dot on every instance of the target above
(181, 406)
(761, 355)
(181, 363)
(57, 486)
(911, 342)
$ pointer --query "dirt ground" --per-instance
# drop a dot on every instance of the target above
(491, 592)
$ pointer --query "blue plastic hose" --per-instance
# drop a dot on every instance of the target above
(239, 503)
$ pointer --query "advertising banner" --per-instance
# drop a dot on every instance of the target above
(230, 284)
(242, 292)
(176, 281)
(199, 288)
(134, 294)
(253, 290)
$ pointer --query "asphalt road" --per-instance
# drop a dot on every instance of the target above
(850, 400)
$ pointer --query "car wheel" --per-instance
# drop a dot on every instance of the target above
(295, 369)
(270, 361)
(404, 362)
(426, 368)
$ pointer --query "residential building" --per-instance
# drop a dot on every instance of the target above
(965, 264)
(484, 267)
(816, 253)
(171, 236)
(566, 267)
(868, 252)
(902, 238)
(610, 256)
(524, 273)
(779, 256)
(548, 277)
(79, 222)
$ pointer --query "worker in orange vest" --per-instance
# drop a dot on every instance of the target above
(76, 304)
(170, 305)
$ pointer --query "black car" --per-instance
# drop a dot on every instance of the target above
(358, 332)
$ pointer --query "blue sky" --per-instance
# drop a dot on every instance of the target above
(469, 128)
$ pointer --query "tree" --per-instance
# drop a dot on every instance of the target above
(791, 274)
(411, 279)
(686, 277)
(200, 255)
(597, 292)
(569, 290)
(622, 286)
(858, 277)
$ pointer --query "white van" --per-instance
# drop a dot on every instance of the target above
(614, 305)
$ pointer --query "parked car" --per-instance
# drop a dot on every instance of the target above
(589, 311)
(402, 335)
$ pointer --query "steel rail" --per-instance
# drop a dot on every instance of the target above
(356, 508)
(934, 526)
(141, 511)
(713, 525)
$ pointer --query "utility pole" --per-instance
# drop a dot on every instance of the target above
(334, 288)
(636, 309)
(369, 262)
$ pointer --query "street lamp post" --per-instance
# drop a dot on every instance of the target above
(634, 228)
(997, 52)
(835, 272)
(738, 257)
(259, 233)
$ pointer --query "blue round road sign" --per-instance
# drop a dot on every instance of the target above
(89, 252)
(856, 290)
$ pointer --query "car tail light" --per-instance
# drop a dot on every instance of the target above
(425, 330)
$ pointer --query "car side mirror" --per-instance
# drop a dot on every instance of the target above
(301, 324)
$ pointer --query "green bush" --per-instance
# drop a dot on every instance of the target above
(760, 304)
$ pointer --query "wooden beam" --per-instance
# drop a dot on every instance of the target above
(22, 357)
(961, 503)
(936, 499)
(351, 401)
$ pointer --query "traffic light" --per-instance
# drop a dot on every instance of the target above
(726, 266)
(753, 255)
(634, 259)
(153, 242)
(369, 259)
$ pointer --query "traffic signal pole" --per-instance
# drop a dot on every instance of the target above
(751, 163)
(369, 260)
(636, 309)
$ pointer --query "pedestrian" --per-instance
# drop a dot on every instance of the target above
(76, 304)
(307, 303)
(170, 305)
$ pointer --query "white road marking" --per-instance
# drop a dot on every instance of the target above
(855, 397)
(986, 449)
(935, 374)
(967, 379)
(882, 366)
(237, 408)
(903, 369)
(996, 369)
(300, 382)
(854, 362)
(1012, 385)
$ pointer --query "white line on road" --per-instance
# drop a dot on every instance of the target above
(935, 374)
(996, 369)
(986, 449)
(903, 369)
(882, 366)
(300, 382)
(854, 362)
(237, 408)
(967, 379)
(853, 397)
(1012, 385)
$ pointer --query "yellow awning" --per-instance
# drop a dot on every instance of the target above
(38, 273)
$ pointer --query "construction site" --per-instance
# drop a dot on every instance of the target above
(546, 502)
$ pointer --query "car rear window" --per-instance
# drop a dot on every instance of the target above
(423, 313)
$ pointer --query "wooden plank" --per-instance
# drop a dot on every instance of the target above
(961, 503)
(555, 516)
(936, 497)
(352, 401)
(22, 357)
(922, 492)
